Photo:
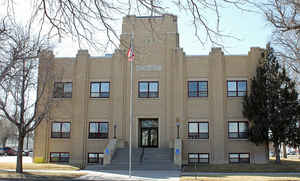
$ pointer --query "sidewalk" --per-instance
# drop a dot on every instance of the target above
(116, 174)
(136, 175)
(240, 173)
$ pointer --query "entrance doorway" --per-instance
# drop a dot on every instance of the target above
(148, 132)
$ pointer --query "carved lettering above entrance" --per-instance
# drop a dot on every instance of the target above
(148, 67)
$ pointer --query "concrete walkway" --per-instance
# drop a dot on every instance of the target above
(139, 175)
(157, 175)
(136, 175)
(240, 173)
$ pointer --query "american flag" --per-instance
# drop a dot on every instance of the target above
(130, 53)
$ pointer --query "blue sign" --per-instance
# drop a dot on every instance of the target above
(177, 151)
(107, 151)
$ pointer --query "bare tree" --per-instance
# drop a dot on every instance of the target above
(83, 19)
(20, 95)
(8, 130)
(284, 17)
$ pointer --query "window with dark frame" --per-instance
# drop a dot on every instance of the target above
(62, 90)
(239, 157)
(60, 130)
(198, 130)
(98, 130)
(96, 158)
(100, 89)
(59, 157)
(236, 88)
(148, 89)
(198, 158)
(198, 88)
(238, 129)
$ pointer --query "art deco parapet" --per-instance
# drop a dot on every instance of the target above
(216, 51)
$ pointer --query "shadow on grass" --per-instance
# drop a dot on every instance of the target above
(286, 165)
(38, 176)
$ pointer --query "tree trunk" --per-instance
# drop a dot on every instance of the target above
(19, 168)
(277, 153)
(27, 137)
(284, 151)
(267, 151)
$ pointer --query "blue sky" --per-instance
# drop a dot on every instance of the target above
(249, 30)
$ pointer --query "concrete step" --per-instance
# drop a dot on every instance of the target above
(143, 166)
(151, 159)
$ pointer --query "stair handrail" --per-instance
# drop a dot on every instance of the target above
(142, 155)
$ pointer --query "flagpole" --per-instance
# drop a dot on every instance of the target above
(131, 107)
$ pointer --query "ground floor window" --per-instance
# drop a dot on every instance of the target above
(95, 158)
(198, 158)
(239, 157)
(59, 157)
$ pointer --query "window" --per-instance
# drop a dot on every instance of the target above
(62, 90)
(100, 89)
(236, 88)
(198, 130)
(95, 158)
(60, 130)
(59, 157)
(148, 89)
(237, 130)
(239, 158)
(198, 88)
(98, 130)
(198, 158)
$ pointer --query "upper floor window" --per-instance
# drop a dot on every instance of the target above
(98, 130)
(198, 88)
(148, 89)
(60, 130)
(238, 130)
(198, 130)
(62, 90)
(198, 158)
(236, 88)
(239, 158)
(59, 157)
(100, 89)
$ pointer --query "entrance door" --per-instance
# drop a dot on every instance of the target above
(149, 137)
(149, 133)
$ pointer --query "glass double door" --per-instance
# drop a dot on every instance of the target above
(149, 137)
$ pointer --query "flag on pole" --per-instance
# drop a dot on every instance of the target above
(130, 53)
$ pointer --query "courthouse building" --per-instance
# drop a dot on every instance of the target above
(198, 95)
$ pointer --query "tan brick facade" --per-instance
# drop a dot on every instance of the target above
(158, 57)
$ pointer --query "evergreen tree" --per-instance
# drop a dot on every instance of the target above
(272, 106)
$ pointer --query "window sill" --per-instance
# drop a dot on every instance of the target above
(191, 98)
(196, 139)
(98, 138)
(238, 139)
(99, 97)
(147, 99)
(62, 98)
(61, 138)
(235, 98)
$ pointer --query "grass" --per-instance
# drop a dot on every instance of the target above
(40, 175)
(38, 166)
(287, 165)
(241, 177)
